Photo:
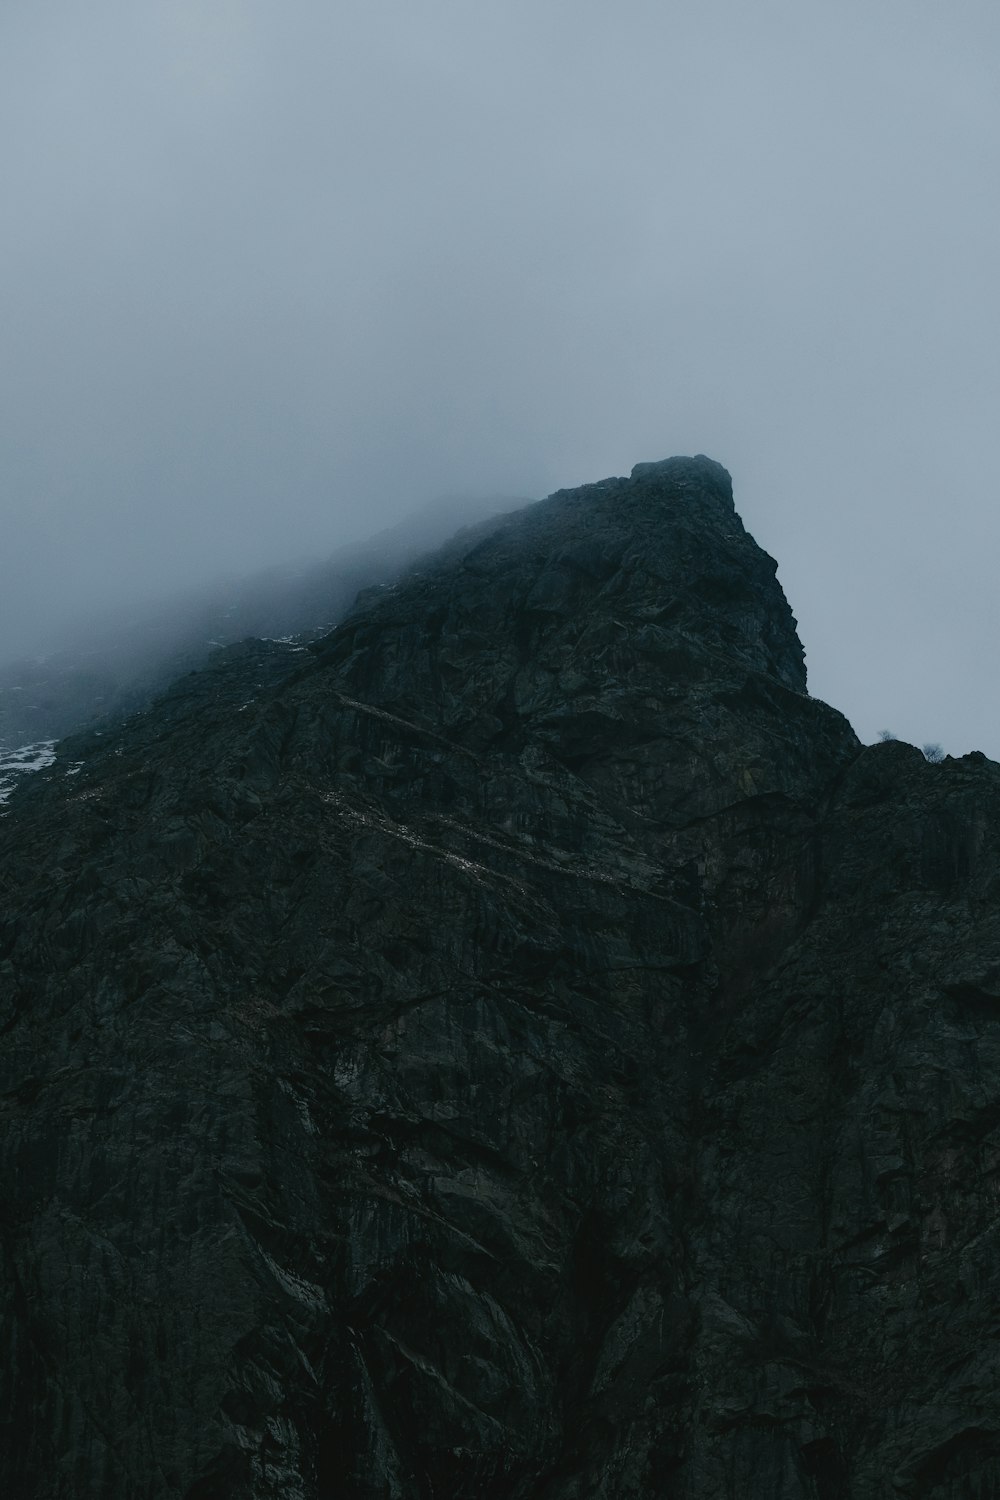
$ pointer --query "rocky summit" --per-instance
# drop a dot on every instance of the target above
(518, 1047)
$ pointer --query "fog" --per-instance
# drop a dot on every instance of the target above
(274, 275)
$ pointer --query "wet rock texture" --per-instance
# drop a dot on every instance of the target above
(523, 1048)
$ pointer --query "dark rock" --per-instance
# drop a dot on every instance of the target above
(522, 1048)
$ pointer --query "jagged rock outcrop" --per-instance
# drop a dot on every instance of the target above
(522, 1047)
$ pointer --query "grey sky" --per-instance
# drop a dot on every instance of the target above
(274, 273)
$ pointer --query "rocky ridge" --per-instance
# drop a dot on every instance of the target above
(520, 1047)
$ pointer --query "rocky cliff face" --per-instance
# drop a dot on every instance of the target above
(521, 1048)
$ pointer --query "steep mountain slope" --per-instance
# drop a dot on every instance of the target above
(520, 1047)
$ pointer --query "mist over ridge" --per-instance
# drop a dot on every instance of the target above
(112, 663)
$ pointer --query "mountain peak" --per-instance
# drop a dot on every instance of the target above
(504, 1049)
(700, 470)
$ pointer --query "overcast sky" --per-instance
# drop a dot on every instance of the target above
(276, 271)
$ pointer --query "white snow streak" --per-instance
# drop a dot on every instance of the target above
(20, 762)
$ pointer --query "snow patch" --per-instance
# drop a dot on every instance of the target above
(21, 762)
(291, 641)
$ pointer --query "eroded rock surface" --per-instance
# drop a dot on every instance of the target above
(523, 1048)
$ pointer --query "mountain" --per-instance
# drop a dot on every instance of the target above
(114, 664)
(517, 1047)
